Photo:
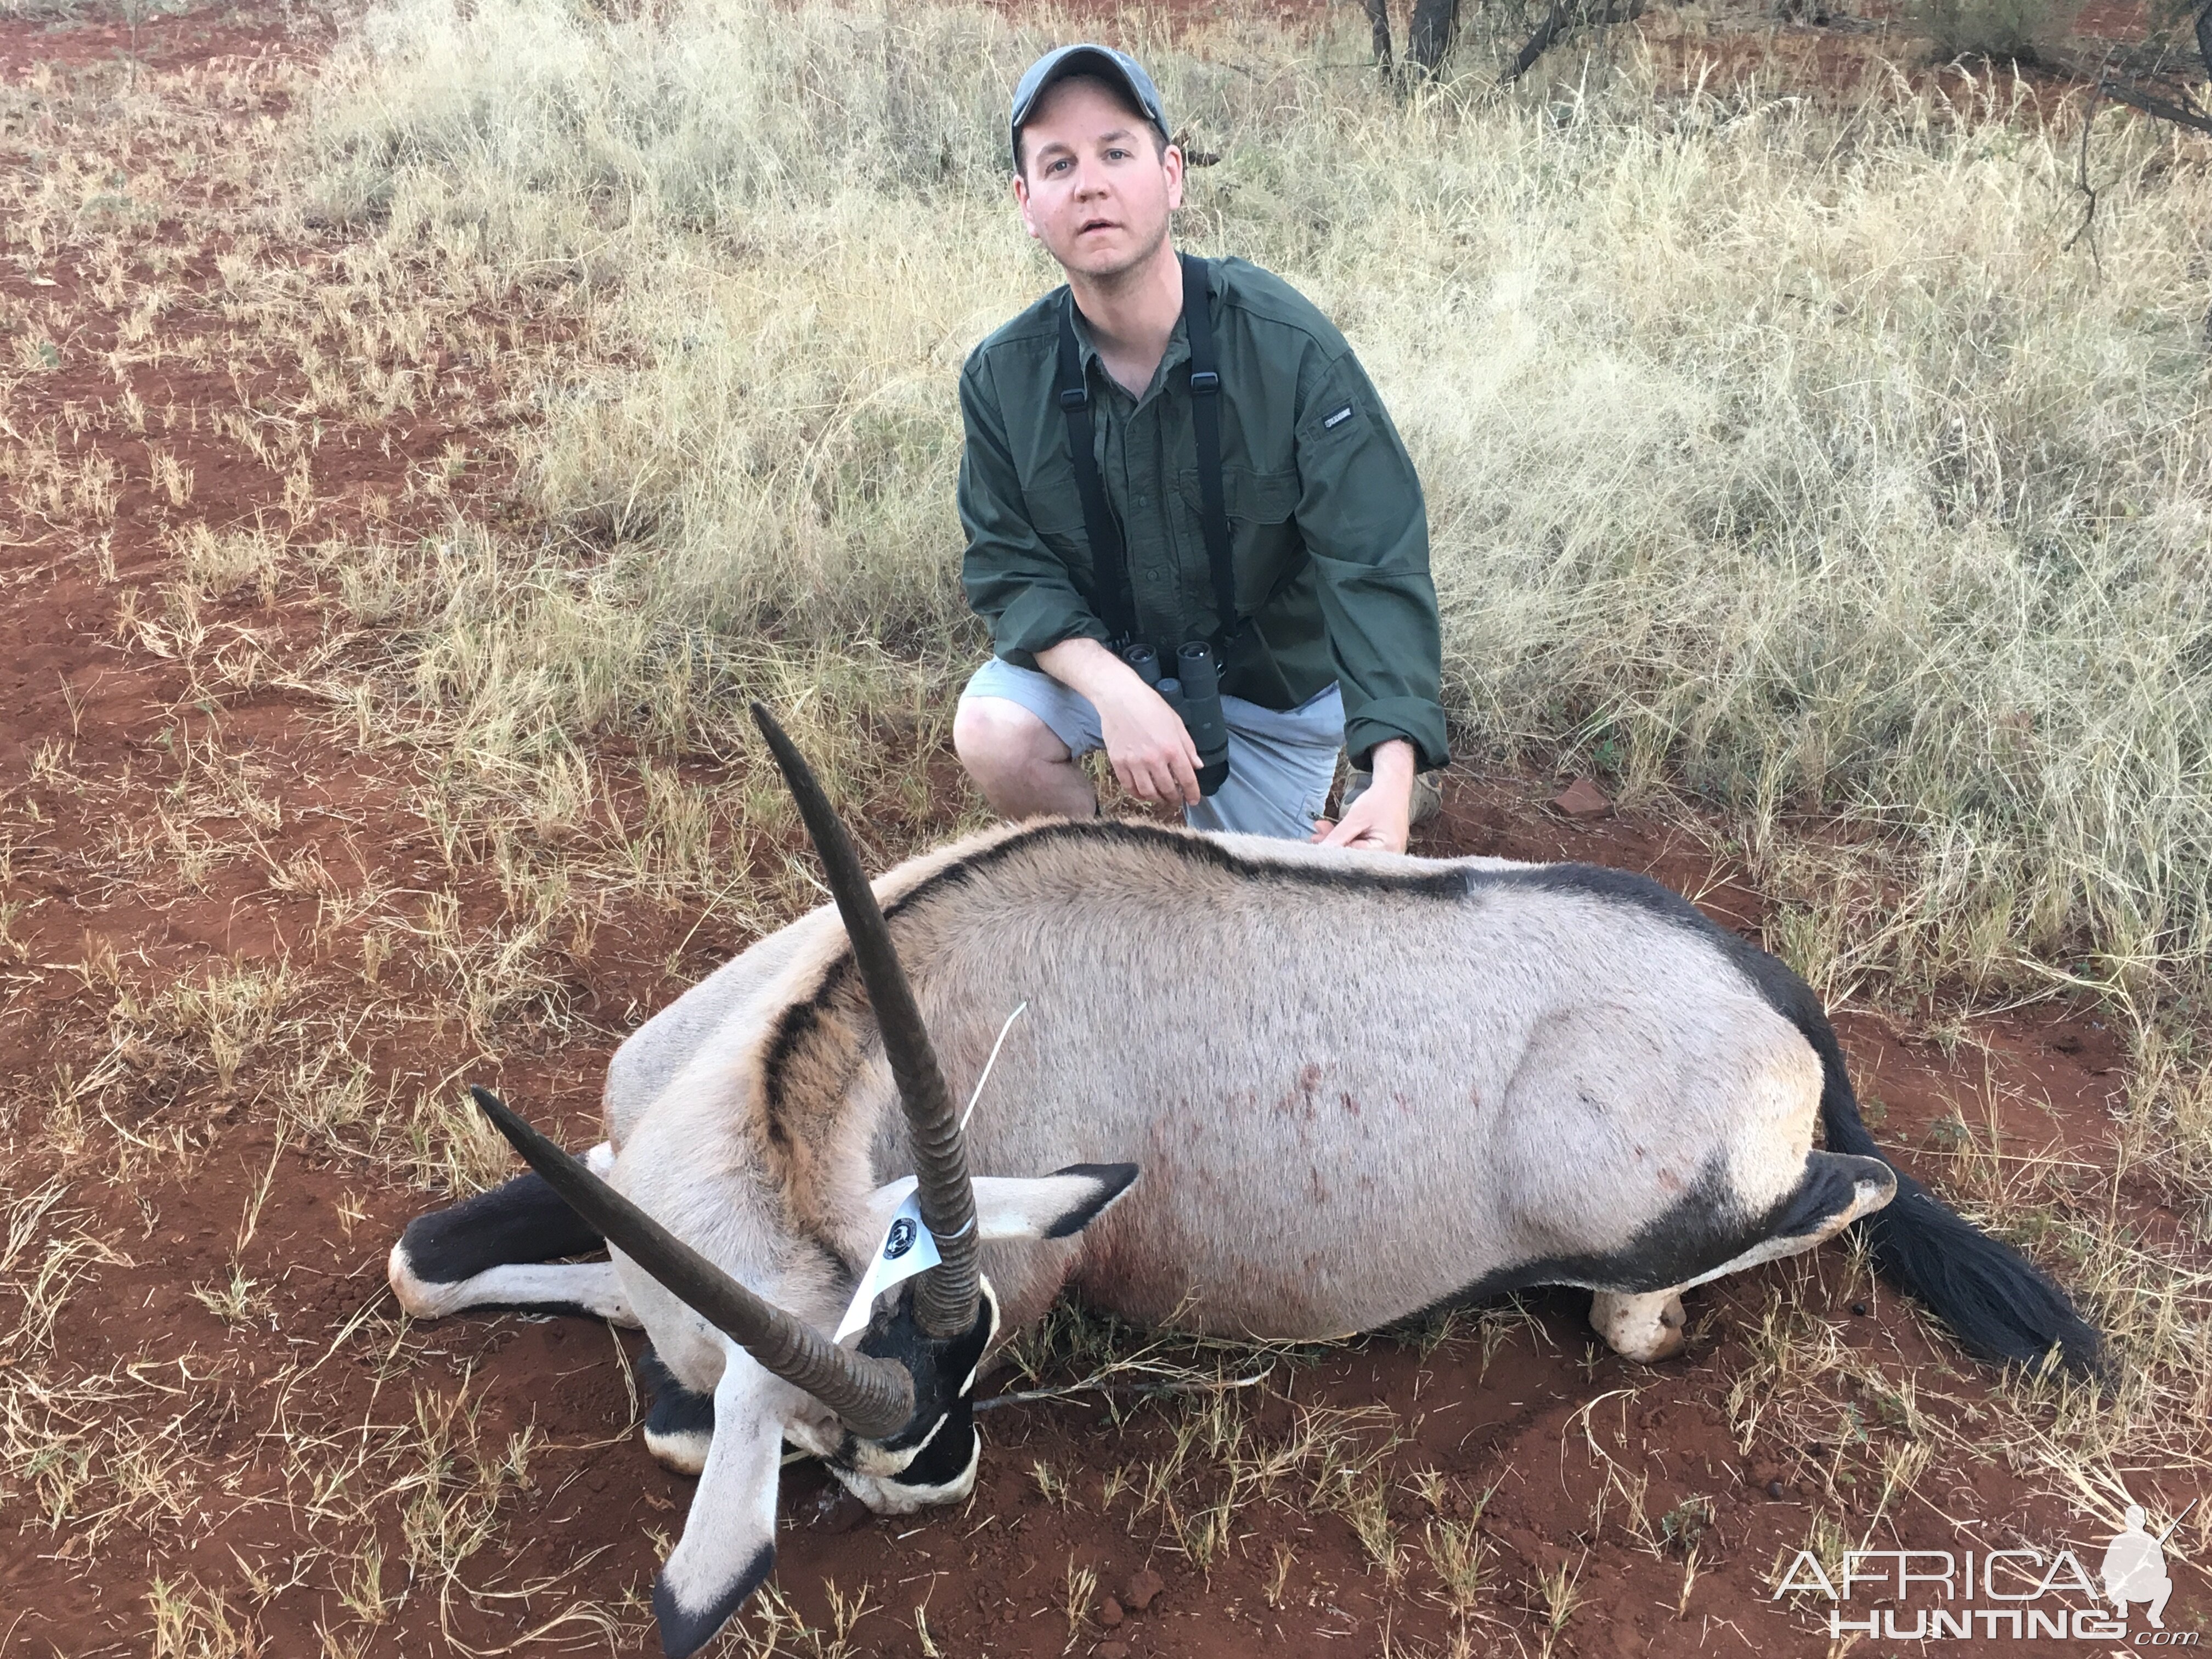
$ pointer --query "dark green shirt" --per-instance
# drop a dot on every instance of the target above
(1330, 536)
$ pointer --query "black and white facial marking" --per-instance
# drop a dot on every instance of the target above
(679, 1425)
(933, 1458)
(729, 1534)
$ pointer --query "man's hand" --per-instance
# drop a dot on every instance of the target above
(1151, 752)
(1381, 818)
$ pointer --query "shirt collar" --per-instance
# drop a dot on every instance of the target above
(1087, 352)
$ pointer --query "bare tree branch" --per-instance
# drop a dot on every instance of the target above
(2129, 89)
(1378, 22)
(1560, 20)
(2151, 104)
(1553, 26)
(2086, 227)
(1429, 35)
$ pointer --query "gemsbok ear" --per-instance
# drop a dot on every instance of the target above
(1057, 1205)
(728, 1544)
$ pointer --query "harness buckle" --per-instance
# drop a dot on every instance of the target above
(1205, 381)
(1074, 398)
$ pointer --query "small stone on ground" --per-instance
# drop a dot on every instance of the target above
(1583, 799)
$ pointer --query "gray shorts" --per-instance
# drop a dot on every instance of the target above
(1281, 761)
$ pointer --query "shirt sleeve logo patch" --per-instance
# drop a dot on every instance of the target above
(1337, 419)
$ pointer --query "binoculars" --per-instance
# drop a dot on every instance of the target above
(1194, 691)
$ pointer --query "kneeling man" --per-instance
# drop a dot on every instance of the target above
(1175, 452)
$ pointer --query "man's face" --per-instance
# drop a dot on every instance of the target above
(1095, 187)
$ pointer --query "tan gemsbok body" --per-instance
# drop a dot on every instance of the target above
(1285, 1092)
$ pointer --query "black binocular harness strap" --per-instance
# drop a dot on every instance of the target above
(1114, 598)
(1109, 563)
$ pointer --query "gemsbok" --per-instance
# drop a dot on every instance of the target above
(1260, 1088)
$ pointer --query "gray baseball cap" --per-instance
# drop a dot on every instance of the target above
(1085, 59)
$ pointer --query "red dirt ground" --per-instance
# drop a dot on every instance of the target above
(992, 1574)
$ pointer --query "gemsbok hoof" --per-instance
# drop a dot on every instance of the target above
(1578, 1078)
(1649, 1329)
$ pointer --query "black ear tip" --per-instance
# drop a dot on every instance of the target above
(1113, 1180)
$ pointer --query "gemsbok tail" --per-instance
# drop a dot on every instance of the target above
(1998, 1303)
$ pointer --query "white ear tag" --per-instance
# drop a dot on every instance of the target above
(908, 1248)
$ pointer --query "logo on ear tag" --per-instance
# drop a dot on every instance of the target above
(908, 1248)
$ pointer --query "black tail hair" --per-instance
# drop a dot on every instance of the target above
(1998, 1303)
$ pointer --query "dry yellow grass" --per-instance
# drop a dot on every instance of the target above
(1778, 455)
(1776, 452)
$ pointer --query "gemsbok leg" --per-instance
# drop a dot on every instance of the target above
(1836, 1191)
(502, 1248)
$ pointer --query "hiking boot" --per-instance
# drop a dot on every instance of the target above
(1428, 794)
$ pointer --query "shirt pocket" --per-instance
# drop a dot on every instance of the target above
(1054, 510)
(1262, 508)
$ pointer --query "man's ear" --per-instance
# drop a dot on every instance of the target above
(1057, 1205)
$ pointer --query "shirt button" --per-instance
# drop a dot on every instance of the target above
(1144, 500)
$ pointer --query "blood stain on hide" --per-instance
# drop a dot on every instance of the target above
(1303, 1099)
